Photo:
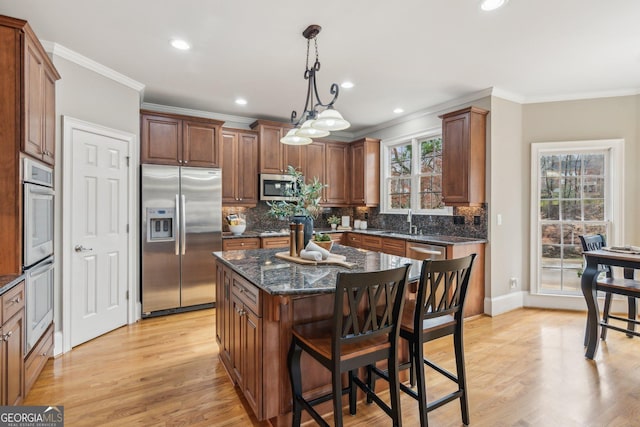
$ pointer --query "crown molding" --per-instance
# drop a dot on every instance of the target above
(581, 96)
(197, 113)
(70, 55)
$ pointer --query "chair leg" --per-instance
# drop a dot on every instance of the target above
(352, 393)
(412, 366)
(418, 366)
(371, 381)
(394, 389)
(462, 376)
(632, 310)
(605, 315)
(336, 381)
(293, 362)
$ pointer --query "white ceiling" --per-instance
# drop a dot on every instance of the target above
(413, 54)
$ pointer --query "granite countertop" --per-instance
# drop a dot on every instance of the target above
(430, 239)
(8, 281)
(280, 277)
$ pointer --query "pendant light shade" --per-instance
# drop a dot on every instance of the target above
(291, 138)
(330, 120)
(309, 131)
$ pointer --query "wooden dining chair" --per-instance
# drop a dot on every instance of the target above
(437, 311)
(610, 285)
(354, 338)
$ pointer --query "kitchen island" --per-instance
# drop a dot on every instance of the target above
(259, 299)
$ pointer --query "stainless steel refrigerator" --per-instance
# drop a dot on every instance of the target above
(181, 226)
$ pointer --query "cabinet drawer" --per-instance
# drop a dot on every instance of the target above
(373, 243)
(240, 244)
(393, 246)
(35, 361)
(275, 242)
(12, 301)
(247, 293)
(354, 240)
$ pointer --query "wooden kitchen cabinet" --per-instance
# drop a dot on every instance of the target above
(39, 101)
(247, 343)
(365, 172)
(37, 358)
(352, 239)
(12, 346)
(172, 139)
(239, 168)
(463, 157)
(372, 243)
(337, 166)
(275, 242)
(27, 124)
(224, 336)
(314, 162)
(275, 157)
(240, 243)
(393, 246)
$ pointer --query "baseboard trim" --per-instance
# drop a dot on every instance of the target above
(503, 303)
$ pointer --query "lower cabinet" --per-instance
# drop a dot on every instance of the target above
(241, 243)
(12, 347)
(275, 242)
(239, 334)
(35, 361)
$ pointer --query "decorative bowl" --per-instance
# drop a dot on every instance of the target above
(237, 229)
(327, 244)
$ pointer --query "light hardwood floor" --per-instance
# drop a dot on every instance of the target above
(525, 368)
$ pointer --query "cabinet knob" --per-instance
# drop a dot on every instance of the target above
(16, 300)
(242, 244)
(186, 161)
(8, 335)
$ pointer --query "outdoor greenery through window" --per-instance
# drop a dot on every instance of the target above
(572, 202)
(414, 181)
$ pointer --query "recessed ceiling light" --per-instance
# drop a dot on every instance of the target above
(347, 85)
(180, 44)
(398, 110)
(241, 101)
(488, 5)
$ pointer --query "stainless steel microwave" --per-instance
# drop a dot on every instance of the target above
(276, 187)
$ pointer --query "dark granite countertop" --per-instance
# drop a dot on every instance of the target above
(8, 281)
(430, 239)
(280, 277)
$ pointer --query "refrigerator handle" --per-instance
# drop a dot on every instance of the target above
(177, 227)
(183, 226)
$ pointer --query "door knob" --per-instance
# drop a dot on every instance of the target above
(80, 248)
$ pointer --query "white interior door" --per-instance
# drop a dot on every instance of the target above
(98, 247)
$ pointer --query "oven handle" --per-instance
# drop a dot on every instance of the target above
(42, 266)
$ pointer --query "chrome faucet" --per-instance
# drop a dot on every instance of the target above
(409, 219)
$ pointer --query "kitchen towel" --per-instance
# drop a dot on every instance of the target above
(310, 255)
(313, 247)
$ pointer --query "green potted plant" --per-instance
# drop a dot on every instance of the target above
(306, 204)
(334, 221)
(323, 240)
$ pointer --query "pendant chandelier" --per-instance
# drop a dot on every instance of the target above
(317, 119)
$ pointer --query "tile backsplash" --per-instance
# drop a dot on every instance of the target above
(465, 222)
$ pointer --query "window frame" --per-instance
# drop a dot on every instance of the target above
(614, 207)
(385, 173)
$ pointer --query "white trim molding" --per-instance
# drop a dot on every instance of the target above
(504, 303)
(70, 55)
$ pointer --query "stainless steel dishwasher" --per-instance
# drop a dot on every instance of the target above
(425, 251)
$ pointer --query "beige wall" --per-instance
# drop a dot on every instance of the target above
(86, 95)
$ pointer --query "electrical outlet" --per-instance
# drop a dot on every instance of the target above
(513, 282)
(476, 220)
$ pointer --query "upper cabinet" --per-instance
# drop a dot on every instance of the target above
(239, 167)
(365, 172)
(27, 124)
(274, 155)
(171, 139)
(34, 74)
(336, 170)
(463, 157)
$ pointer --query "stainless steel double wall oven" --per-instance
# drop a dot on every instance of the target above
(38, 217)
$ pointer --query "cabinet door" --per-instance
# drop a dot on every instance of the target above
(229, 168)
(455, 159)
(161, 140)
(314, 156)
(291, 156)
(270, 149)
(253, 361)
(34, 101)
(239, 332)
(49, 117)
(200, 144)
(219, 304)
(227, 318)
(357, 174)
(13, 331)
(336, 166)
(247, 162)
